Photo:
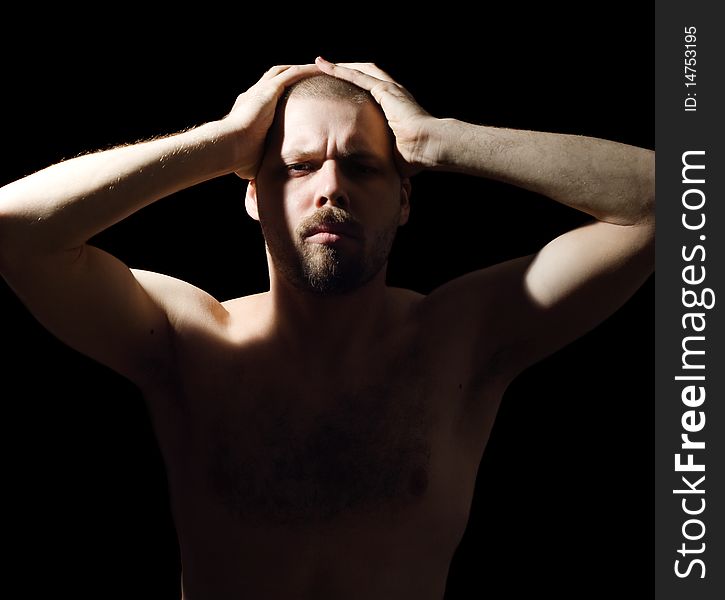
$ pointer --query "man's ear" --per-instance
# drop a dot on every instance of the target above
(405, 191)
(250, 200)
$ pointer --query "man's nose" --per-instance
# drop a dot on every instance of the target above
(332, 187)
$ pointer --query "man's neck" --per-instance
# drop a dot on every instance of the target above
(332, 322)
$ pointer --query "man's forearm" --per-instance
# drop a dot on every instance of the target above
(611, 181)
(61, 207)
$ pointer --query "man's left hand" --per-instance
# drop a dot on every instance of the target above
(416, 145)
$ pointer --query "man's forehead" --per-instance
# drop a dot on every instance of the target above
(310, 124)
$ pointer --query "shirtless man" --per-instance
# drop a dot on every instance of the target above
(322, 438)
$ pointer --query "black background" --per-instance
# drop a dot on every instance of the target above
(563, 499)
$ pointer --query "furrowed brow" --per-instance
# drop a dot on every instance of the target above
(298, 155)
(349, 154)
(359, 154)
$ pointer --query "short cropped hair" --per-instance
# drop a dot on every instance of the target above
(327, 86)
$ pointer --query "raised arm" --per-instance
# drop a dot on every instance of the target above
(90, 300)
(532, 305)
(545, 300)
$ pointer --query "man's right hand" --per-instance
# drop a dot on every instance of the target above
(253, 112)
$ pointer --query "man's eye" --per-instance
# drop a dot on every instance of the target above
(298, 168)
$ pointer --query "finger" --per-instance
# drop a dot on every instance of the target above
(274, 71)
(363, 80)
(375, 71)
(295, 73)
(378, 88)
(370, 69)
(290, 71)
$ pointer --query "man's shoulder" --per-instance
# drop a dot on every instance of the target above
(248, 312)
(247, 303)
(406, 295)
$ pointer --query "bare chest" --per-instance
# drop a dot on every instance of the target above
(289, 445)
(286, 442)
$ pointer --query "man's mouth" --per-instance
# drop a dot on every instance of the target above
(327, 233)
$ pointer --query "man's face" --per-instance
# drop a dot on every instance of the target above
(328, 195)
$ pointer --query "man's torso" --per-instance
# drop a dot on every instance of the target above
(323, 474)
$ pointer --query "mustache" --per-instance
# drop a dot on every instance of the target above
(329, 216)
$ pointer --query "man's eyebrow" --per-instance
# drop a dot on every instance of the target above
(360, 154)
(346, 154)
(299, 155)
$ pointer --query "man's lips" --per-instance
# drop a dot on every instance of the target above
(332, 232)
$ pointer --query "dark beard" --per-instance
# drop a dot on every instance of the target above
(328, 270)
(325, 270)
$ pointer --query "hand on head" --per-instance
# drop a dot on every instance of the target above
(411, 125)
(253, 113)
